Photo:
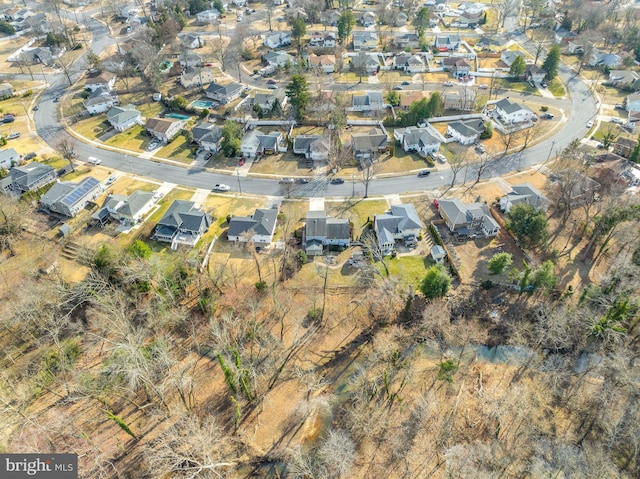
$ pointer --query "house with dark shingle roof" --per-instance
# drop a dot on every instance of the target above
(524, 193)
(366, 145)
(468, 219)
(256, 143)
(370, 101)
(402, 223)
(446, 43)
(31, 177)
(127, 210)
(458, 66)
(207, 136)
(313, 147)
(258, 228)
(321, 230)
(627, 79)
(511, 112)
(465, 132)
(224, 93)
(164, 129)
(69, 198)
(183, 223)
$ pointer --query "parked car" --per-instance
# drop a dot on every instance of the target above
(337, 181)
(619, 106)
(424, 173)
(397, 87)
(208, 156)
(152, 145)
(8, 119)
(13, 135)
(302, 181)
(589, 123)
(271, 82)
(110, 180)
(241, 162)
(36, 108)
(29, 156)
(221, 187)
(483, 86)
(480, 149)
(93, 160)
(617, 121)
(56, 99)
(546, 116)
(286, 181)
(448, 83)
(406, 83)
(273, 87)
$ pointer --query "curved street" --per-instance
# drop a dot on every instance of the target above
(579, 107)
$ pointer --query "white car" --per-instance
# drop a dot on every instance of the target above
(152, 145)
(589, 123)
(221, 187)
(110, 180)
(448, 83)
(93, 160)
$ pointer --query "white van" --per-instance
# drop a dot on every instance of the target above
(93, 160)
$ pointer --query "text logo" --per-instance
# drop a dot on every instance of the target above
(39, 466)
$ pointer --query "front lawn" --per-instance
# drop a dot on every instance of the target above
(517, 85)
(92, 127)
(131, 139)
(556, 87)
(177, 150)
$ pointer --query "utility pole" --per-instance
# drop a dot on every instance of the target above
(239, 184)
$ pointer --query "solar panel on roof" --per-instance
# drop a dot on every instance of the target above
(80, 191)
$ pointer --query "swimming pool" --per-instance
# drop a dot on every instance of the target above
(178, 116)
(201, 104)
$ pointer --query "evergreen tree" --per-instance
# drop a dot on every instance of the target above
(298, 93)
(551, 63)
(345, 24)
(518, 67)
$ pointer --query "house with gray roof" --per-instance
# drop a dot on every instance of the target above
(104, 79)
(267, 100)
(625, 79)
(164, 129)
(6, 90)
(365, 41)
(321, 230)
(524, 193)
(277, 40)
(510, 112)
(402, 223)
(409, 63)
(191, 40)
(312, 147)
(447, 43)
(421, 140)
(100, 100)
(467, 219)
(465, 132)
(257, 228)
(124, 117)
(207, 136)
(279, 59)
(8, 158)
(31, 176)
(366, 145)
(127, 210)
(68, 198)
(461, 99)
(256, 143)
(603, 59)
(183, 223)
(224, 93)
(458, 66)
(509, 56)
(534, 73)
(370, 101)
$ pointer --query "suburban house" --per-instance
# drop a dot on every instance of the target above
(366, 19)
(409, 63)
(447, 43)
(370, 101)
(8, 158)
(189, 58)
(322, 39)
(183, 223)
(277, 40)
(313, 147)
(467, 219)
(624, 146)
(405, 40)
(68, 198)
(164, 129)
(127, 210)
(461, 99)
(575, 48)
(296, 12)
(100, 100)
(625, 79)
(365, 41)
(366, 145)
(491, 43)
(465, 132)
(256, 143)
(257, 228)
(124, 117)
(458, 66)
(366, 63)
(321, 230)
(401, 19)
(267, 100)
(407, 98)
(632, 102)
(330, 17)
(31, 177)
(326, 63)
(509, 56)
(207, 136)
(105, 79)
(6, 90)
(402, 223)
(195, 77)
(208, 16)
(279, 59)
(608, 60)
(224, 93)
(191, 40)
(534, 73)
(417, 139)
(470, 18)
(562, 35)
(523, 194)
(510, 112)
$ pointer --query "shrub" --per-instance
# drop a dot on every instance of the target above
(261, 285)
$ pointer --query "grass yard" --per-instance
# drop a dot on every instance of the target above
(80, 172)
(556, 87)
(222, 205)
(357, 211)
(92, 127)
(410, 269)
(131, 139)
(56, 162)
(283, 164)
(401, 161)
(522, 86)
(127, 185)
(221, 162)
(177, 150)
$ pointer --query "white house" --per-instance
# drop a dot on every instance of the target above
(224, 93)
(365, 41)
(256, 143)
(207, 136)
(257, 228)
(164, 129)
(402, 223)
(465, 132)
(368, 19)
(196, 77)
(277, 40)
(105, 79)
(100, 100)
(313, 147)
(409, 62)
(370, 101)
(523, 194)
(279, 59)
(467, 220)
(510, 112)
(266, 101)
(326, 63)
(8, 158)
(417, 139)
(124, 117)
(323, 39)
(127, 210)
(509, 56)
(208, 16)
(191, 40)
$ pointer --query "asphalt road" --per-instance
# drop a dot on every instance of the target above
(580, 108)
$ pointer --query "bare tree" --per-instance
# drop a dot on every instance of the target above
(368, 174)
(67, 149)
(457, 163)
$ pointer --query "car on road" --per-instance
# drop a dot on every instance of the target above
(617, 121)
(397, 87)
(337, 181)
(286, 181)
(36, 108)
(93, 160)
(273, 87)
(547, 116)
(302, 181)
(447, 83)
(13, 135)
(271, 82)
(589, 123)
(480, 149)
(483, 86)
(424, 173)
(221, 187)
(405, 83)
(110, 180)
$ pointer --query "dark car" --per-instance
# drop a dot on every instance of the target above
(424, 173)
(271, 82)
(405, 83)
(29, 156)
(8, 119)
(302, 181)
(337, 181)
(397, 87)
